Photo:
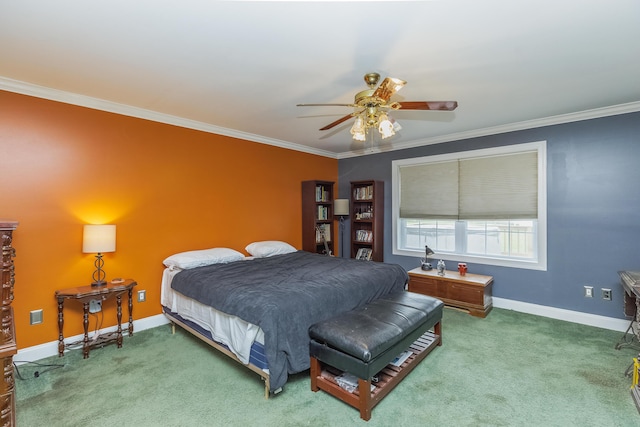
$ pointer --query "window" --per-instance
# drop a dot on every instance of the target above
(485, 206)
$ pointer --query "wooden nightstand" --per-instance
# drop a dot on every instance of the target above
(85, 294)
(471, 292)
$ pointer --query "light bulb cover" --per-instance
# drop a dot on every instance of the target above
(358, 130)
(385, 127)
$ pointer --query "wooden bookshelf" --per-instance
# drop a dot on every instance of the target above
(367, 220)
(317, 216)
(8, 346)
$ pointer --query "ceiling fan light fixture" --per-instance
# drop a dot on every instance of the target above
(385, 127)
(358, 130)
(396, 125)
(360, 136)
(372, 104)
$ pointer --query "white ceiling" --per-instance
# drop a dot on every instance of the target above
(240, 68)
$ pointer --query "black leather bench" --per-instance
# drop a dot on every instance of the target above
(364, 341)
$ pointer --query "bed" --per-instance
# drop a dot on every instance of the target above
(258, 309)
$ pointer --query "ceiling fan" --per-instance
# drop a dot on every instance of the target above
(371, 107)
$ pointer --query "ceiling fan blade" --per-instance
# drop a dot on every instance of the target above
(324, 105)
(337, 122)
(388, 87)
(429, 105)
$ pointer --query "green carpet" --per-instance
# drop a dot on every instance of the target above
(509, 369)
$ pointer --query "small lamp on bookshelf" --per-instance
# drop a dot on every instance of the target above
(341, 209)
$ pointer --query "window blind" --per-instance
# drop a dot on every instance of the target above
(492, 187)
(429, 190)
(499, 187)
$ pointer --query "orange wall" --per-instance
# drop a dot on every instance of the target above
(168, 189)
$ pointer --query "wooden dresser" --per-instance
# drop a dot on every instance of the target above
(471, 292)
(7, 334)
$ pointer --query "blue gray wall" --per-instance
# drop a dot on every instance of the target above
(593, 210)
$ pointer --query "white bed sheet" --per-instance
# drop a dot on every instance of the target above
(237, 334)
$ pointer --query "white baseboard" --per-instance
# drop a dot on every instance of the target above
(49, 349)
(562, 314)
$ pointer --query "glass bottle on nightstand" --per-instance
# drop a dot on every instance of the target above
(441, 268)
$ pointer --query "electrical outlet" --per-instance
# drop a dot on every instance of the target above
(95, 305)
(142, 296)
(606, 294)
(35, 317)
(588, 291)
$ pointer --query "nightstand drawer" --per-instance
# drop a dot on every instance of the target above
(424, 285)
(465, 293)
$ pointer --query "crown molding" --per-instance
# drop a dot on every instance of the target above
(29, 89)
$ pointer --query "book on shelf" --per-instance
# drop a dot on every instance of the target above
(323, 233)
(364, 254)
(364, 235)
(401, 358)
(322, 195)
(363, 193)
(323, 213)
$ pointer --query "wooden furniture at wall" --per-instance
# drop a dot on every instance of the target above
(317, 216)
(631, 285)
(85, 294)
(631, 298)
(367, 220)
(8, 345)
(471, 292)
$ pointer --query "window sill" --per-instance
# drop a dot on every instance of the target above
(501, 262)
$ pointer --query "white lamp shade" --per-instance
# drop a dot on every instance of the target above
(99, 238)
(358, 129)
(341, 207)
(385, 127)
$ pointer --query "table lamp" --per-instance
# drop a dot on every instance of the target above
(341, 209)
(99, 239)
(424, 262)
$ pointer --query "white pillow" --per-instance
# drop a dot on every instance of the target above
(269, 248)
(192, 259)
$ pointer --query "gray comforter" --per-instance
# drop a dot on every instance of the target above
(285, 294)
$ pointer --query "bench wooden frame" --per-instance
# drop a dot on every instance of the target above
(388, 378)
